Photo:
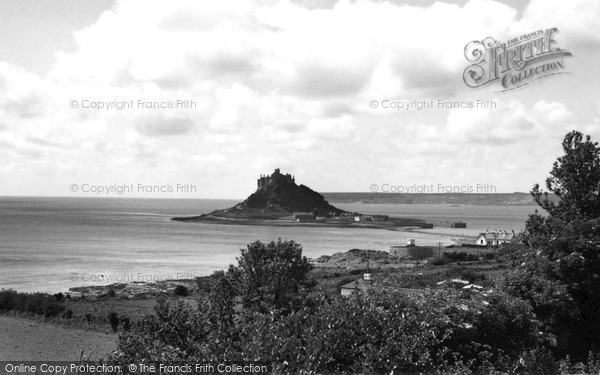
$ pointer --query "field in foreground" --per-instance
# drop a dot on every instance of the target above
(26, 340)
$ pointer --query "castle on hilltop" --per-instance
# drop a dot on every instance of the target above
(265, 180)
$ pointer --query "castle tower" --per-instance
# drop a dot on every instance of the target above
(265, 180)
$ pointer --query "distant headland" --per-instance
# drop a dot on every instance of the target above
(476, 199)
(279, 201)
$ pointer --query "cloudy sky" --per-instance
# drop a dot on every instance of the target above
(283, 84)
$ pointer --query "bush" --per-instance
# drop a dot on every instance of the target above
(114, 321)
(181, 290)
(8, 299)
(111, 293)
(410, 280)
(272, 276)
(381, 332)
(32, 303)
(125, 323)
(175, 332)
(439, 261)
(346, 335)
(460, 256)
(489, 256)
(204, 284)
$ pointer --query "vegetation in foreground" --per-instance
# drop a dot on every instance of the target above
(542, 318)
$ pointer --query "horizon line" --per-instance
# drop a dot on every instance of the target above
(121, 196)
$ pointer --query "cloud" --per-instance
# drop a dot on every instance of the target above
(21, 93)
(576, 20)
(14, 148)
(492, 127)
(289, 83)
(39, 141)
(319, 80)
(331, 129)
(161, 125)
(310, 53)
(553, 113)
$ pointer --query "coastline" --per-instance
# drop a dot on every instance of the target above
(90, 307)
(134, 289)
(392, 224)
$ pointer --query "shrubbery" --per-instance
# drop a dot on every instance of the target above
(181, 291)
(439, 261)
(174, 332)
(411, 280)
(33, 303)
(114, 321)
(379, 332)
(271, 276)
(460, 256)
(384, 330)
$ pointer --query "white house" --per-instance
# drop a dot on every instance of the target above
(494, 238)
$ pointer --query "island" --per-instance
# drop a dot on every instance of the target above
(279, 201)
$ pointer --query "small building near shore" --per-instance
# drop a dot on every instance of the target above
(356, 286)
(412, 250)
(304, 217)
(341, 219)
(495, 238)
(458, 224)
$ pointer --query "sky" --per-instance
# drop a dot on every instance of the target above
(201, 98)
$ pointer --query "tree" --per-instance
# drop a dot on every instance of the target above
(272, 276)
(114, 321)
(221, 301)
(575, 180)
(564, 248)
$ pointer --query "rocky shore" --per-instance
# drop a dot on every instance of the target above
(133, 290)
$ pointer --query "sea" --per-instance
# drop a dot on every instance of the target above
(50, 244)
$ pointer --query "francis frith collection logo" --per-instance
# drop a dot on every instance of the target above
(514, 63)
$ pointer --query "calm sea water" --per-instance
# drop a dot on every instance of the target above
(52, 244)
